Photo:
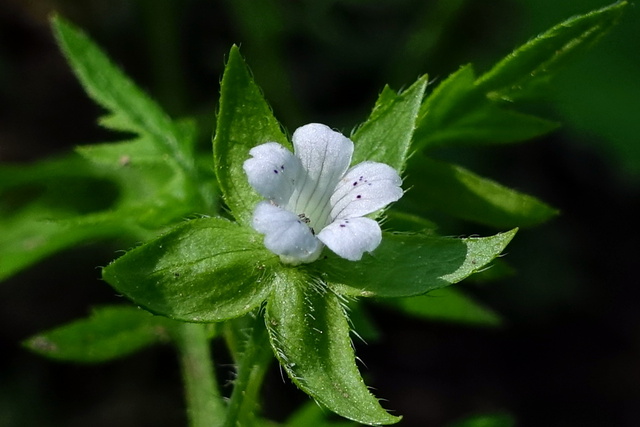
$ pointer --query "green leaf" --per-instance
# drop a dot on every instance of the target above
(540, 59)
(386, 136)
(309, 332)
(109, 333)
(130, 109)
(447, 304)
(458, 112)
(411, 264)
(466, 110)
(204, 270)
(244, 121)
(120, 154)
(456, 191)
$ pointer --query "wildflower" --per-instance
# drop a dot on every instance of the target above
(315, 199)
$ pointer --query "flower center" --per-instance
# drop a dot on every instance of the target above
(311, 203)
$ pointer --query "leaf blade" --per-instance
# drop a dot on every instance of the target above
(309, 332)
(244, 121)
(111, 332)
(459, 192)
(204, 270)
(387, 134)
(412, 264)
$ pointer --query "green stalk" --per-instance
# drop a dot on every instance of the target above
(205, 407)
(253, 360)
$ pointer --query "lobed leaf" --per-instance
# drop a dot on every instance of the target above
(411, 264)
(205, 270)
(130, 109)
(244, 121)
(459, 192)
(109, 333)
(309, 332)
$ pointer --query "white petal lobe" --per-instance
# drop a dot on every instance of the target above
(285, 234)
(325, 155)
(350, 238)
(364, 189)
(273, 171)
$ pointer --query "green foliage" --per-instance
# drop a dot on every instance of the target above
(110, 333)
(204, 270)
(460, 193)
(386, 135)
(130, 110)
(244, 121)
(412, 264)
(213, 269)
(309, 331)
(459, 111)
(535, 63)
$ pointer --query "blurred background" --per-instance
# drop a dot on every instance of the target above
(568, 353)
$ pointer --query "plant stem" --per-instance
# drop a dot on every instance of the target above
(253, 360)
(205, 407)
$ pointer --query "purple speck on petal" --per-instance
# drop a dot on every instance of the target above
(275, 171)
(343, 225)
(359, 196)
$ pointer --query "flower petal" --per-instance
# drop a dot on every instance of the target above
(365, 188)
(350, 238)
(285, 234)
(325, 155)
(273, 171)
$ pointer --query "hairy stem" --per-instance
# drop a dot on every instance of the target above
(253, 355)
(205, 407)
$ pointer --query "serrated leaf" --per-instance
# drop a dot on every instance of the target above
(458, 112)
(386, 136)
(130, 109)
(411, 264)
(244, 121)
(109, 333)
(309, 332)
(449, 305)
(204, 270)
(540, 59)
(459, 192)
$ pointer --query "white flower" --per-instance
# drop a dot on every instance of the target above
(315, 199)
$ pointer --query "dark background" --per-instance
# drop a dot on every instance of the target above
(569, 353)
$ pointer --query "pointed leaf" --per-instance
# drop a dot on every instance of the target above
(386, 136)
(541, 58)
(111, 332)
(407, 265)
(309, 332)
(130, 109)
(204, 270)
(461, 193)
(458, 112)
(244, 121)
